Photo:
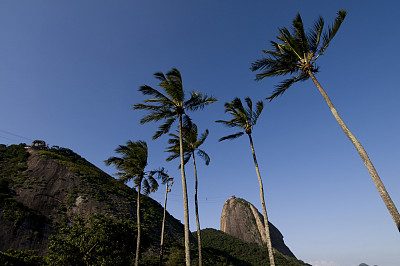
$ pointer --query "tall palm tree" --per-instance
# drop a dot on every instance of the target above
(296, 53)
(131, 166)
(170, 106)
(191, 144)
(245, 119)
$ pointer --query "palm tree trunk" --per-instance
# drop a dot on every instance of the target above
(185, 198)
(268, 236)
(163, 226)
(138, 227)
(364, 156)
(197, 212)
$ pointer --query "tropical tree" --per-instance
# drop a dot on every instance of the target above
(296, 53)
(245, 119)
(191, 144)
(170, 106)
(131, 166)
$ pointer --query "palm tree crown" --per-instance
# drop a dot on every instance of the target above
(131, 166)
(243, 118)
(171, 104)
(191, 143)
(297, 52)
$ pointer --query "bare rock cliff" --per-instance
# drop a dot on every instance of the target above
(241, 219)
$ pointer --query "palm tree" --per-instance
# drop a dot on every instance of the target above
(245, 119)
(191, 144)
(170, 106)
(296, 53)
(131, 166)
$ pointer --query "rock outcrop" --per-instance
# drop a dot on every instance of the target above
(58, 185)
(241, 219)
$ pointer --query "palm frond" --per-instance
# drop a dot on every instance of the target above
(187, 124)
(164, 128)
(229, 123)
(301, 38)
(172, 85)
(173, 155)
(147, 90)
(203, 137)
(204, 156)
(314, 36)
(160, 173)
(274, 67)
(157, 115)
(257, 112)
(113, 160)
(328, 36)
(233, 136)
(249, 110)
(291, 45)
(284, 85)
(198, 101)
(160, 76)
(146, 188)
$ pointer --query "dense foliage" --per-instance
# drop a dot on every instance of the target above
(21, 258)
(100, 241)
(238, 252)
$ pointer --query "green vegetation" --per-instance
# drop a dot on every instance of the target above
(12, 164)
(17, 212)
(233, 251)
(21, 258)
(100, 241)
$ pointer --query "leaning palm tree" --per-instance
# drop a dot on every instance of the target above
(131, 166)
(296, 53)
(245, 119)
(170, 106)
(191, 144)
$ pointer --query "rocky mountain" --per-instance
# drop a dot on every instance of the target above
(40, 189)
(241, 219)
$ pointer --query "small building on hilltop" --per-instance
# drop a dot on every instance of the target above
(39, 144)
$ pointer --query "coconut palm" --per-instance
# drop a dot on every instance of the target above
(191, 144)
(170, 106)
(296, 53)
(131, 166)
(245, 119)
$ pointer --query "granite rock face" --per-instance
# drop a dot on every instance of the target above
(241, 219)
(51, 192)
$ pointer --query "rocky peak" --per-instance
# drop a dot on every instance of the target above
(241, 219)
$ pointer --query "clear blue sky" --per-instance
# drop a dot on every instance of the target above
(70, 73)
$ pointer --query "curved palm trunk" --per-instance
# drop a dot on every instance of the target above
(364, 156)
(268, 236)
(197, 212)
(185, 198)
(138, 226)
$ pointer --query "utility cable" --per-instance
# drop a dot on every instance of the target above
(15, 135)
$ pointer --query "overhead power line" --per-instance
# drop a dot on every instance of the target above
(15, 135)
